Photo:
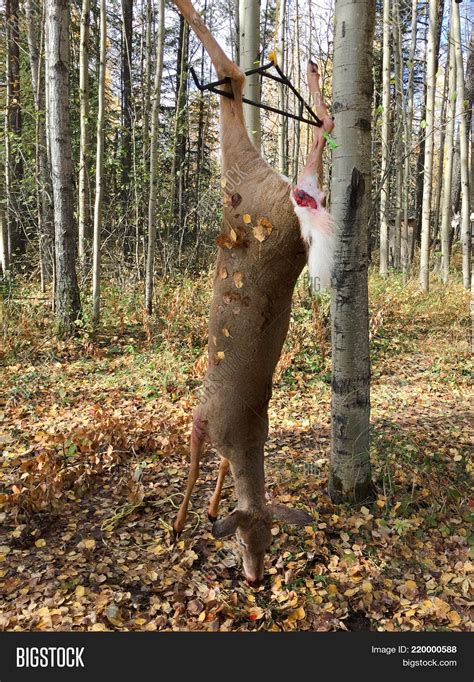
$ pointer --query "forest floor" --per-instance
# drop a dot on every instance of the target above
(95, 457)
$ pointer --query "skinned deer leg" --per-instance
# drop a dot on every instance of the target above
(224, 66)
(314, 162)
(213, 507)
(196, 448)
(309, 200)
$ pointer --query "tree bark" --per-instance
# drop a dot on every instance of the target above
(398, 133)
(429, 132)
(99, 169)
(384, 168)
(42, 175)
(127, 22)
(448, 166)
(440, 172)
(249, 26)
(406, 246)
(67, 300)
(350, 472)
(84, 187)
(463, 149)
(179, 154)
(14, 162)
(283, 122)
(4, 252)
(155, 121)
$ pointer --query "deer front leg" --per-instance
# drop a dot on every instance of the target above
(213, 507)
(314, 162)
(196, 447)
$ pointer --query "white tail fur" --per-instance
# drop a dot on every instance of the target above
(317, 230)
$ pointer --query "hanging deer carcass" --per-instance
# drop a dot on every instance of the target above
(261, 254)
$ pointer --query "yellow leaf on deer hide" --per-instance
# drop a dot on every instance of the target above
(220, 355)
(247, 219)
(238, 277)
(226, 332)
(262, 229)
(223, 274)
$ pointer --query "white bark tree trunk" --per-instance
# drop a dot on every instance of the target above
(249, 25)
(398, 132)
(384, 187)
(448, 165)
(429, 130)
(405, 245)
(155, 122)
(67, 300)
(34, 20)
(463, 148)
(350, 472)
(99, 169)
(283, 122)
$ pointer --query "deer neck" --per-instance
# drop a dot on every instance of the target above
(249, 478)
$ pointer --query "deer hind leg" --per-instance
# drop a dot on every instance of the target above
(224, 66)
(213, 507)
(196, 448)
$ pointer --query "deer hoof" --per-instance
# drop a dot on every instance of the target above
(176, 532)
(212, 518)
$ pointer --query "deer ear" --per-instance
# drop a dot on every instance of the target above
(224, 527)
(289, 515)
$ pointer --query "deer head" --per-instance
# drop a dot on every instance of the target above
(253, 530)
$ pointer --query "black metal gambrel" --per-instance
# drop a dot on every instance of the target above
(264, 71)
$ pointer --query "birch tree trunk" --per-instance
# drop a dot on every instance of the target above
(463, 149)
(429, 130)
(155, 121)
(249, 26)
(4, 253)
(84, 188)
(350, 472)
(440, 172)
(384, 169)
(283, 123)
(398, 132)
(146, 83)
(99, 168)
(448, 166)
(127, 27)
(408, 119)
(67, 300)
(44, 205)
(14, 159)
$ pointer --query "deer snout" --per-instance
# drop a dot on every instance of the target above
(254, 567)
(254, 583)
